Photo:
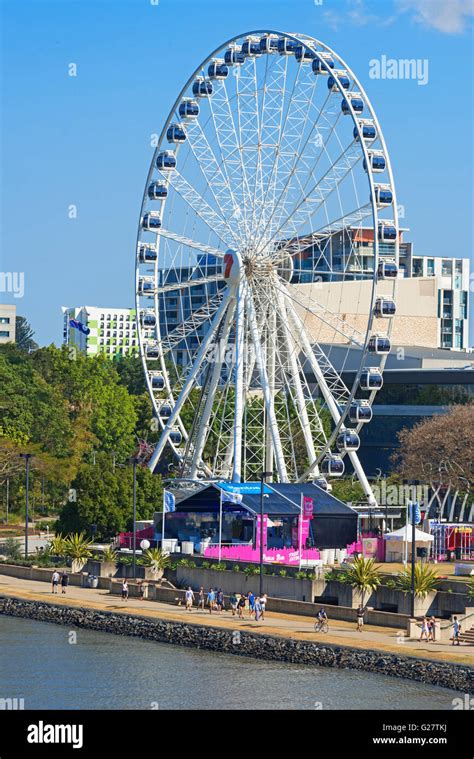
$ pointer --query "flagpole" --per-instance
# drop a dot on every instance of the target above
(300, 531)
(163, 520)
(220, 525)
(406, 533)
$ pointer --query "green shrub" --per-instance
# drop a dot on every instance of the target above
(12, 549)
(283, 573)
(188, 563)
(251, 570)
(220, 566)
(206, 565)
(236, 568)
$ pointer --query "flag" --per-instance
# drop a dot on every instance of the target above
(232, 497)
(78, 325)
(415, 513)
(169, 503)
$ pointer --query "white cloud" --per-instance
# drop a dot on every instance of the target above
(448, 16)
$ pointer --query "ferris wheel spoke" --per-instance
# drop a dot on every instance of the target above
(189, 243)
(271, 131)
(204, 420)
(201, 355)
(269, 401)
(317, 195)
(292, 137)
(239, 382)
(195, 201)
(211, 170)
(328, 317)
(229, 147)
(191, 325)
(188, 283)
(325, 232)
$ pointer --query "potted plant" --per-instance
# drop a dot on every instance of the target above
(363, 575)
(77, 547)
(156, 562)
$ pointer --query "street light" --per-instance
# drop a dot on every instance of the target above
(134, 560)
(27, 457)
(263, 477)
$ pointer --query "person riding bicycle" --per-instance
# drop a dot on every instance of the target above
(322, 616)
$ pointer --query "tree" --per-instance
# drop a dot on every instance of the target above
(363, 575)
(426, 580)
(24, 335)
(440, 452)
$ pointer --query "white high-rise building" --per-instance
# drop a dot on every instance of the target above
(94, 330)
(7, 324)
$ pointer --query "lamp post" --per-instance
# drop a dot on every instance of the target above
(134, 561)
(27, 457)
(263, 477)
(413, 537)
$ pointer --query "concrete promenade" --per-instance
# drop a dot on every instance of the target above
(285, 625)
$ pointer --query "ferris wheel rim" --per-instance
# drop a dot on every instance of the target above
(302, 39)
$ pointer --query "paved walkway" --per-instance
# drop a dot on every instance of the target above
(287, 625)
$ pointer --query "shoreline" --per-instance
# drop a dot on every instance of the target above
(456, 677)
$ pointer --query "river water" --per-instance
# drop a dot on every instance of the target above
(56, 667)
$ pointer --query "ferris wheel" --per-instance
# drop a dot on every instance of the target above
(266, 265)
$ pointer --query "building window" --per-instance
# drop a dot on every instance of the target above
(430, 267)
(446, 268)
(4, 320)
(4, 333)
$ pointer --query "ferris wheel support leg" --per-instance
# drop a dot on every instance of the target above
(270, 409)
(239, 383)
(331, 403)
(190, 380)
(271, 361)
(295, 375)
(207, 411)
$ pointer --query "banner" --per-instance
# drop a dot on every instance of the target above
(244, 488)
(308, 507)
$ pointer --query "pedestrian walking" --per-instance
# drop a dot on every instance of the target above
(220, 600)
(360, 618)
(456, 631)
(257, 608)
(241, 606)
(189, 598)
(211, 599)
(55, 581)
(263, 604)
(201, 598)
(251, 599)
(233, 600)
(64, 582)
(424, 630)
(124, 590)
(141, 590)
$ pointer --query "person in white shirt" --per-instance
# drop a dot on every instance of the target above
(189, 596)
(55, 581)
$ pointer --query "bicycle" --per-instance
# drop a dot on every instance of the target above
(321, 625)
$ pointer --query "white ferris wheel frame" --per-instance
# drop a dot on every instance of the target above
(237, 294)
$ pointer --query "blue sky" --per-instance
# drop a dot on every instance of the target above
(85, 140)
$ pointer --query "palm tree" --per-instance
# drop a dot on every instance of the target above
(363, 575)
(78, 549)
(109, 554)
(57, 546)
(156, 560)
(426, 580)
